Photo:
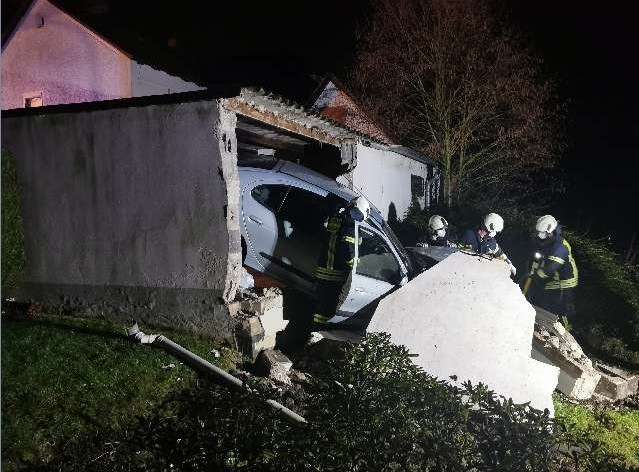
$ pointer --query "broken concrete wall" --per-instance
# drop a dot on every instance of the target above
(465, 317)
(553, 345)
(131, 209)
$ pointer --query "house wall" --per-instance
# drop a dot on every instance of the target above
(52, 54)
(148, 81)
(131, 211)
(384, 177)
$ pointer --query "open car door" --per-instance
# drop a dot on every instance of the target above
(376, 271)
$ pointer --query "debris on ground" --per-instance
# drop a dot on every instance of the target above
(579, 377)
(554, 345)
(616, 383)
(259, 317)
(275, 365)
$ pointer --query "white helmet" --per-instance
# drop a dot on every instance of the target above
(545, 226)
(437, 226)
(360, 208)
(493, 224)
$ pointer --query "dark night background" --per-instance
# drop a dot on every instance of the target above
(590, 50)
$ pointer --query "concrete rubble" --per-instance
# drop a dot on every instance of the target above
(615, 383)
(259, 316)
(579, 377)
(464, 317)
(273, 364)
(553, 345)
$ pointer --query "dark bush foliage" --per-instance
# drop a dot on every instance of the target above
(13, 258)
(372, 410)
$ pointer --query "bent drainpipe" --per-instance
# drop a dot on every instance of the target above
(204, 366)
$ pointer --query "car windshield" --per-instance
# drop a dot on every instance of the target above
(399, 246)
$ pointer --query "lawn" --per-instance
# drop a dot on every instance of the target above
(65, 377)
(617, 431)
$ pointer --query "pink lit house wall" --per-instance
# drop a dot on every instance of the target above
(52, 54)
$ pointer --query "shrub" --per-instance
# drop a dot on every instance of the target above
(372, 410)
(608, 298)
(13, 258)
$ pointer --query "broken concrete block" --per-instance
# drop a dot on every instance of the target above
(615, 388)
(577, 377)
(273, 357)
(616, 384)
(466, 317)
(261, 300)
(257, 327)
(274, 365)
(554, 345)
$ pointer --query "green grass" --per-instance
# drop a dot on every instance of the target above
(65, 377)
(617, 431)
(13, 257)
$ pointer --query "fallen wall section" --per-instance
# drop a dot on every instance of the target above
(465, 317)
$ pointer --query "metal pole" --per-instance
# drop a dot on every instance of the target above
(206, 367)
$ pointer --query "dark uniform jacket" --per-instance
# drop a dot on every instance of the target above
(558, 270)
(470, 241)
(338, 251)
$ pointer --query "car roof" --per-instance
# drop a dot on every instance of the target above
(312, 177)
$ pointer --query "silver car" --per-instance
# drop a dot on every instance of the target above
(284, 208)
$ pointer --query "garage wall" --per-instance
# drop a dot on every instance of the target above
(131, 208)
(384, 177)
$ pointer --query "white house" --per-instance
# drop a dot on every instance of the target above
(51, 58)
(389, 175)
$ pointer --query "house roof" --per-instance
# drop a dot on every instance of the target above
(331, 78)
(280, 112)
(22, 9)
(388, 144)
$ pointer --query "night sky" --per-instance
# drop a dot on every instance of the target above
(591, 51)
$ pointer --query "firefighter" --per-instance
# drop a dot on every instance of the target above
(337, 257)
(555, 280)
(437, 233)
(481, 240)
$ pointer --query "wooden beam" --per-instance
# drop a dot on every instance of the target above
(268, 117)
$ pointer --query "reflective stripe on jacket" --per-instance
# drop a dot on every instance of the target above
(338, 252)
(559, 270)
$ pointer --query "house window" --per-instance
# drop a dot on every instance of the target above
(33, 100)
(417, 186)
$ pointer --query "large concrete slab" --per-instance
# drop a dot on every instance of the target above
(465, 317)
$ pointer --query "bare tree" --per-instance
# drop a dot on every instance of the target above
(453, 79)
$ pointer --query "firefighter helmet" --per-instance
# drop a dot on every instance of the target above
(493, 224)
(437, 226)
(545, 226)
(359, 208)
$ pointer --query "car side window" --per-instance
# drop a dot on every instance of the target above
(299, 216)
(376, 260)
(306, 209)
(270, 196)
